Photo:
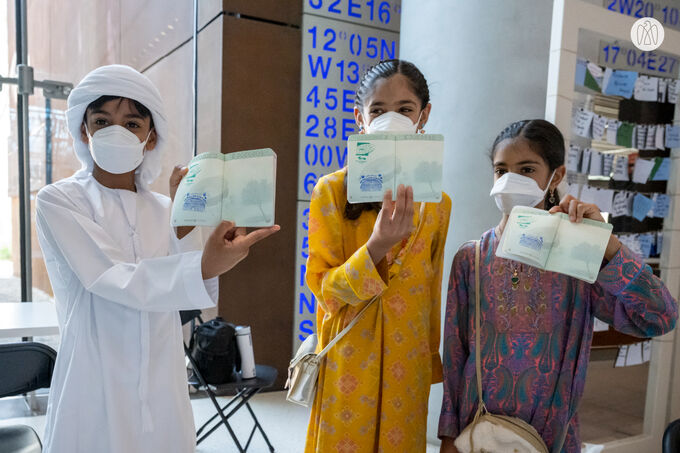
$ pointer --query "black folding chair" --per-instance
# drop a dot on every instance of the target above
(25, 367)
(671, 438)
(241, 389)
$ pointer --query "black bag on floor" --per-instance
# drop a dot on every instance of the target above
(213, 348)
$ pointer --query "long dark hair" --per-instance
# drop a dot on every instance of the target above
(544, 138)
(384, 70)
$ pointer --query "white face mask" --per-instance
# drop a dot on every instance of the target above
(116, 149)
(513, 189)
(393, 122)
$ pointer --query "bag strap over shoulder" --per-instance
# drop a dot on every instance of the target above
(478, 345)
(344, 331)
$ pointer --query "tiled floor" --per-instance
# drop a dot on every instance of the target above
(284, 423)
(613, 403)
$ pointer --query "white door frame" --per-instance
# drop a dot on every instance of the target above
(569, 16)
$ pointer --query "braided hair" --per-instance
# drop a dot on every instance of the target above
(543, 137)
(384, 70)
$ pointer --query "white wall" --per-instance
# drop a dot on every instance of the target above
(487, 66)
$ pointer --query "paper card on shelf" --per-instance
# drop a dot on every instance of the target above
(595, 163)
(599, 126)
(659, 140)
(634, 355)
(662, 169)
(653, 197)
(651, 137)
(606, 77)
(600, 326)
(646, 351)
(643, 168)
(589, 194)
(620, 205)
(580, 78)
(619, 83)
(581, 123)
(607, 164)
(646, 240)
(585, 160)
(646, 88)
(624, 135)
(621, 357)
(605, 200)
(612, 128)
(672, 136)
(640, 136)
(594, 76)
(621, 169)
(659, 241)
(624, 239)
(573, 190)
(662, 204)
(641, 206)
(663, 86)
(673, 91)
(573, 158)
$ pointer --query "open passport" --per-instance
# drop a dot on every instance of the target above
(553, 243)
(240, 187)
(379, 162)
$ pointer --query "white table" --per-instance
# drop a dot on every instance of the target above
(28, 319)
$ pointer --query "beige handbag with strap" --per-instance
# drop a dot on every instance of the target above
(303, 370)
(489, 433)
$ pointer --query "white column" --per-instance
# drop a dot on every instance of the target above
(487, 66)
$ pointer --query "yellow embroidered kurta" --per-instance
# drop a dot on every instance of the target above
(374, 384)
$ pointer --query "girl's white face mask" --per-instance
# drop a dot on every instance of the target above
(393, 122)
(115, 149)
(513, 189)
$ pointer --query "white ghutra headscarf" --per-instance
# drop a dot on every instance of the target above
(124, 81)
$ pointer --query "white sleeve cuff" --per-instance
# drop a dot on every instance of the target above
(200, 293)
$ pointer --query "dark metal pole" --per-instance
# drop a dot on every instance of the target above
(194, 121)
(23, 158)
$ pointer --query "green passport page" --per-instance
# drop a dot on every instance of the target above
(378, 162)
(553, 243)
(240, 187)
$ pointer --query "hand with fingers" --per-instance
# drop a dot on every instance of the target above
(394, 223)
(229, 245)
(577, 211)
(178, 173)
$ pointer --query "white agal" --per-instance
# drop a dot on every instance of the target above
(119, 277)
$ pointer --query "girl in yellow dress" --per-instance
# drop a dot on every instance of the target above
(374, 384)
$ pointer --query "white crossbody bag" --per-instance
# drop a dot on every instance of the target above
(303, 371)
(488, 432)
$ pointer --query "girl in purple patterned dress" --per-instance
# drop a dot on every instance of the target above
(537, 326)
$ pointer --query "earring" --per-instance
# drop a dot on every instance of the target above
(552, 196)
